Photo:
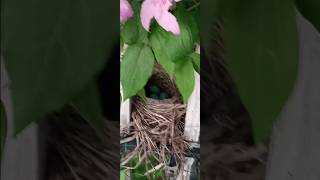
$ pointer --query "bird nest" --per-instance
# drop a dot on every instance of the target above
(157, 126)
(76, 151)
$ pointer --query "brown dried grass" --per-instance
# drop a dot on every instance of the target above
(76, 152)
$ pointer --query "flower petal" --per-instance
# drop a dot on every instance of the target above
(168, 22)
(148, 11)
(125, 11)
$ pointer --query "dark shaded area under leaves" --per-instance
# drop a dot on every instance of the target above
(109, 87)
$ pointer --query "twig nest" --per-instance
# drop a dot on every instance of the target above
(158, 125)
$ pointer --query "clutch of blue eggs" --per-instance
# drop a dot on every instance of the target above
(155, 92)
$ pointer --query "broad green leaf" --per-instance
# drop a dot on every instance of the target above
(132, 31)
(169, 48)
(3, 129)
(196, 13)
(185, 80)
(158, 43)
(262, 57)
(136, 69)
(52, 49)
(123, 175)
(195, 57)
(88, 104)
(310, 10)
(142, 93)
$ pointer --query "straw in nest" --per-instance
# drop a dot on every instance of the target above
(158, 126)
(76, 152)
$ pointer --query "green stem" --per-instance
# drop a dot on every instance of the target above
(194, 6)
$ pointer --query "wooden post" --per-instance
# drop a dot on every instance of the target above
(125, 114)
(125, 117)
(295, 147)
(21, 153)
(192, 124)
(192, 128)
(185, 172)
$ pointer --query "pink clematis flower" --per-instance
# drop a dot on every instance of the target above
(159, 9)
(125, 11)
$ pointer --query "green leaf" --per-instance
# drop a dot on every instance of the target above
(169, 48)
(52, 49)
(142, 94)
(158, 43)
(185, 80)
(3, 128)
(132, 31)
(195, 57)
(88, 104)
(262, 57)
(123, 175)
(136, 69)
(310, 10)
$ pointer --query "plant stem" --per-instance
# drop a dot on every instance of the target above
(194, 6)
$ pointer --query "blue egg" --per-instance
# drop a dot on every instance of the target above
(164, 95)
(154, 89)
(154, 96)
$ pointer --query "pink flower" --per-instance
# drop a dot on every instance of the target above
(159, 9)
(125, 11)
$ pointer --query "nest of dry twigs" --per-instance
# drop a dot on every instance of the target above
(158, 125)
(77, 152)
